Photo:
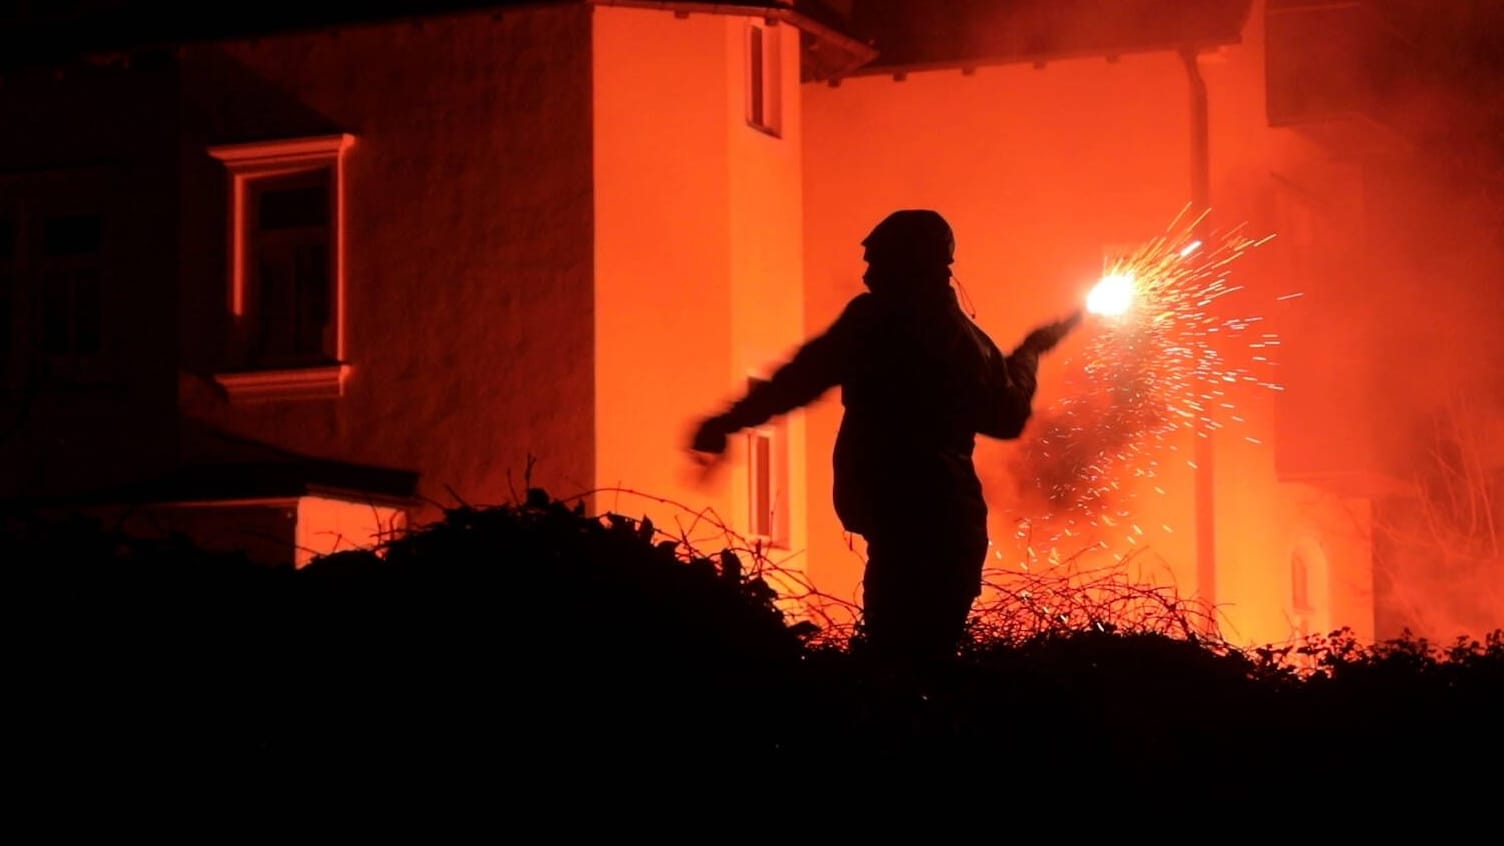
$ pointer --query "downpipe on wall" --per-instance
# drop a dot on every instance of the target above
(1203, 450)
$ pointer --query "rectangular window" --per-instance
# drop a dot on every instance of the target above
(760, 470)
(288, 294)
(286, 276)
(71, 270)
(763, 91)
(767, 482)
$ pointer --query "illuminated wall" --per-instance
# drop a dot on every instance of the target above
(697, 256)
(283, 531)
(767, 266)
(566, 240)
(468, 305)
(1039, 170)
(327, 524)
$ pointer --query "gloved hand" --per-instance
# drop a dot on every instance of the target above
(711, 436)
(1046, 337)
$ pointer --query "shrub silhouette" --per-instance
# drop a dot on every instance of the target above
(536, 638)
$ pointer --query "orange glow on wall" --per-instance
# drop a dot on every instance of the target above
(1040, 170)
(697, 253)
(327, 525)
(569, 231)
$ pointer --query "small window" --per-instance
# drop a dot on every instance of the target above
(1308, 592)
(760, 452)
(1300, 585)
(286, 268)
(767, 482)
(71, 270)
(763, 88)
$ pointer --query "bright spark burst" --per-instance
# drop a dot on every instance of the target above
(1112, 296)
(1162, 367)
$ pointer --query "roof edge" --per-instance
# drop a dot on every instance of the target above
(846, 52)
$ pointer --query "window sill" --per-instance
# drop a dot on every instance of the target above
(325, 381)
(765, 129)
(768, 545)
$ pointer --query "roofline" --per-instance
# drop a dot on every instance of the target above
(860, 52)
(856, 52)
(1039, 59)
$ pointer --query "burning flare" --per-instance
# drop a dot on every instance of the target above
(1112, 296)
(1167, 366)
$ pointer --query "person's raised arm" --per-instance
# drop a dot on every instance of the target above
(815, 368)
(1014, 378)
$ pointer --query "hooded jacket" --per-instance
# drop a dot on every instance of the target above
(919, 380)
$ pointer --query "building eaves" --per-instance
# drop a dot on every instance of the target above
(971, 33)
(84, 30)
(829, 50)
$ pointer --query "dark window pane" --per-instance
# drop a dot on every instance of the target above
(273, 309)
(311, 271)
(292, 304)
(762, 491)
(73, 235)
(293, 208)
(7, 240)
(755, 72)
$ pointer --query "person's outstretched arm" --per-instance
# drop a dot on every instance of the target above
(1012, 381)
(814, 369)
(1014, 378)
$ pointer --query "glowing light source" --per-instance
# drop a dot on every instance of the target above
(1111, 296)
(1173, 363)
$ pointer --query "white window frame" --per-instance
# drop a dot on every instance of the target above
(764, 74)
(246, 164)
(768, 522)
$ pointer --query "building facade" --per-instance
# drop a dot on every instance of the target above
(296, 288)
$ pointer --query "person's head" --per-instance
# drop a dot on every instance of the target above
(910, 250)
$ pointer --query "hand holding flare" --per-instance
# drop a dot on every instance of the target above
(1048, 336)
(1112, 296)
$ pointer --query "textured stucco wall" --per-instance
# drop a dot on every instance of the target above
(662, 298)
(96, 140)
(698, 258)
(767, 265)
(1037, 171)
(469, 265)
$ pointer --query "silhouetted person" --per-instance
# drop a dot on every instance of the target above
(918, 381)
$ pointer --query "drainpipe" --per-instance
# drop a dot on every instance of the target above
(1206, 532)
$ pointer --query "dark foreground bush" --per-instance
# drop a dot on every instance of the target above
(538, 643)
